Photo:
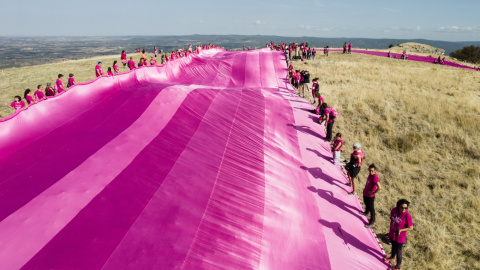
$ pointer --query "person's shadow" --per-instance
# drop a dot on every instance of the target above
(349, 239)
(317, 173)
(306, 130)
(330, 158)
(329, 197)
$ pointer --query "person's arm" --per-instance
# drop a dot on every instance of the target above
(327, 118)
(406, 229)
(338, 147)
(376, 190)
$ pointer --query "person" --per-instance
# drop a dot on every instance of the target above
(39, 96)
(49, 91)
(389, 55)
(306, 82)
(98, 69)
(109, 71)
(59, 84)
(320, 110)
(131, 63)
(330, 115)
(123, 58)
(400, 223)
(297, 79)
(140, 62)
(17, 104)
(350, 48)
(115, 67)
(353, 167)
(301, 83)
(345, 47)
(336, 148)
(27, 95)
(314, 53)
(71, 80)
(143, 54)
(153, 61)
(155, 51)
(372, 187)
(315, 89)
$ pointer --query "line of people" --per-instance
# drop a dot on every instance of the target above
(50, 91)
(400, 219)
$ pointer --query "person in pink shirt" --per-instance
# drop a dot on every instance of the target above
(336, 145)
(98, 69)
(28, 97)
(115, 67)
(315, 89)
(353, 167)
(153, 61)
(17, 104)
(71, 80)
(131, 63)
(330, 116)
(372, 187)
(400, 223)
(140, 62)
(59, 84)
(123, 58)
(350, 48)
(109, 71)
(39, 96)
(49, 91)
(155, 51)
(145, 63)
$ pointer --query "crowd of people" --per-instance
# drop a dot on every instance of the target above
(400, 219)
(49, 91)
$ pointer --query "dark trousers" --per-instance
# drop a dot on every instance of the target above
(370, 208)
(330, 130)
(397, 252)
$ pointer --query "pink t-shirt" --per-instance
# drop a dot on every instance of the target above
(71, 81)
(399, 221)
(109, 73)
(328, 111)
(336, 143)
(18, 105)
(39, 95)
(115, 67)
(359, 153)
(59, 85)
(370, 186)
(29, 99)
(320, 98)
(153, 62)
(131, 64)
(123, 56)
(98, 71)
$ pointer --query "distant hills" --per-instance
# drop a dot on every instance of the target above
(25, 51)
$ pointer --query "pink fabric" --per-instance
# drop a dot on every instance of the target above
(399, 221)
(371, 186)
(208, 164)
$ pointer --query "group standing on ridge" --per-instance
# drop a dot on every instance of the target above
(400, 219)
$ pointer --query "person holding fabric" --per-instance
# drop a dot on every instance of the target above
(115, 67)
(39, 96)
(315, 89)
(372, 187)
(353, 167)
(109, 71)
(17, 104)
(131, 63)
(71, 80)
(336, 148)
(98, 69)
(400, 223)
(59, 84)
(49, 91)
(28, 97)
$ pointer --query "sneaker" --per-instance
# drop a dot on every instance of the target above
(352, 193)
(362, 213)
(369, 225)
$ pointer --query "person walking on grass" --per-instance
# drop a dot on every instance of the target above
(353, 167)
(400, 223)
(372, 187)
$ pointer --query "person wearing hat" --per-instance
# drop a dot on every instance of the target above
(98, 69)
(353, 167)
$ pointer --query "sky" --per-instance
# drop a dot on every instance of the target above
(422, 19)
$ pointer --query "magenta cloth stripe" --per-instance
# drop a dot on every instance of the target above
(51, 157)
(164, 231)
(99, 227)
(222, 240)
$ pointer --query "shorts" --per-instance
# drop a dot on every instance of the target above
(354, 171)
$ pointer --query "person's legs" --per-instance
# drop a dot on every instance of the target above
(370, 208)
(337, 160)
(399, 255)
(330, 130)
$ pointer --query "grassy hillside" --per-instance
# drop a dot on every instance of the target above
(419, 124)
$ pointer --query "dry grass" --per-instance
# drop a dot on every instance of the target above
(419, 124)
(14, 81)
